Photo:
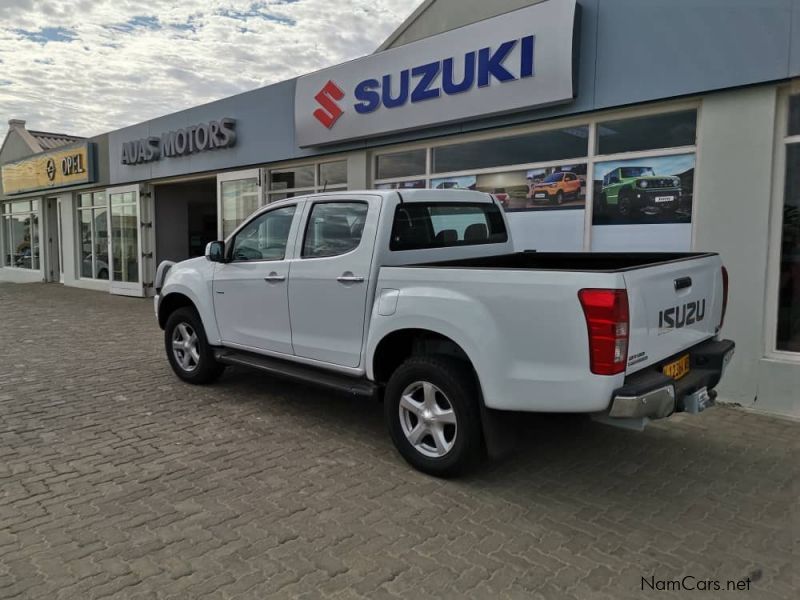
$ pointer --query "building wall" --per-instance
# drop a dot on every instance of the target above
(734, 188)
(15, 148)
(682, 47)
(444, 15)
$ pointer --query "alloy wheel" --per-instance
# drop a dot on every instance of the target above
(186, 347)
(427, 419)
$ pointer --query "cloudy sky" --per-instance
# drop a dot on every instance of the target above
(89, 66)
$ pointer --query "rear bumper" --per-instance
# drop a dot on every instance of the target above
(652, 394)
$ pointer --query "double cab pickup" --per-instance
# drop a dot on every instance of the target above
(417, 298)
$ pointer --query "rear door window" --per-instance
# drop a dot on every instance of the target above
(419, 225)
(334, 228)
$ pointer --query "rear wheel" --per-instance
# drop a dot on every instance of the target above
(190, 355)
(431, 409)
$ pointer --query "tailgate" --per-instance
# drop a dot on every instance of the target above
(672, 307)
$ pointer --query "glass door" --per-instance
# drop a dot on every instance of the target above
(125, 244)
(238, 196)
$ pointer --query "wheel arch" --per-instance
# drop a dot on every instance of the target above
(396, 346)
(625, 189)
(170, 303)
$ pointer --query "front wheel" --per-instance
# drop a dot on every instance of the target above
(431, 409)
(624, 205)
(603, 205)
(560, 197)
(188, 351)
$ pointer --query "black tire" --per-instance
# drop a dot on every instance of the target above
(559, 197)
(603, 204)
(102, 274)
(457, 389)
(625, 205)
(205, 369)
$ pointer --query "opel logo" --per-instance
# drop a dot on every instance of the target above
(51, 169)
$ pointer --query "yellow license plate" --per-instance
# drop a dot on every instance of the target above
(678, 368)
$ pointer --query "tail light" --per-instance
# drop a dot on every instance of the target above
(724, 297)
(607, 320)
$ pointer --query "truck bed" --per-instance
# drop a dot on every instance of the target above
(603, 262)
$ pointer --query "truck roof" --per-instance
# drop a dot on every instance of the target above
(421, 195)
(416, 195)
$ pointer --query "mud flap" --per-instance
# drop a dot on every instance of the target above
(500, 433)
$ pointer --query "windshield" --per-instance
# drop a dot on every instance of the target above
(553, 177)
(637, 171)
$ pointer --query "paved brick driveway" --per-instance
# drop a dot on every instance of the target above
(118, 481)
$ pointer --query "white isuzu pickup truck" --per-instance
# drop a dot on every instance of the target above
(418, 298)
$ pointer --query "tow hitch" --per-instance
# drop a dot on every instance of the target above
(698, 401)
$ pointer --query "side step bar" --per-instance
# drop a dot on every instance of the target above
(353, 386)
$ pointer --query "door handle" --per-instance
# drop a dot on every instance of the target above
(349, 279)
(682, 283)
(275, 277)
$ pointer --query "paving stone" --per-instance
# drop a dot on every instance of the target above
(119, 481)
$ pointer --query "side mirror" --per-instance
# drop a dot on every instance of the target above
(215, 251)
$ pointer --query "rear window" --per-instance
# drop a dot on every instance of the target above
(419, 225)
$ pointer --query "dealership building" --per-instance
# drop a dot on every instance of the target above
(613, 125)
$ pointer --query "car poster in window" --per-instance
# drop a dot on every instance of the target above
(545, 188)
(651, 190)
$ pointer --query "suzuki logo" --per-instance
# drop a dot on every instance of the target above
(330, 111)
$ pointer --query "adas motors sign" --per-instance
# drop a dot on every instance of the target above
(516, 61)
(181, 142)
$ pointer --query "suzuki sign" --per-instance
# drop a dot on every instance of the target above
(517, 61)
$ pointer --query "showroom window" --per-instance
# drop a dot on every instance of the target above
(397, 165)
(647, 133)
(20, 223)
(788, 326)
(294, 181)
(636, 171)
(240, 198)
(643, 174)
(93, 224)
(521, 171)
(538, 147)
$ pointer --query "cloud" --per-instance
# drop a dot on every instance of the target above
(90, 66)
